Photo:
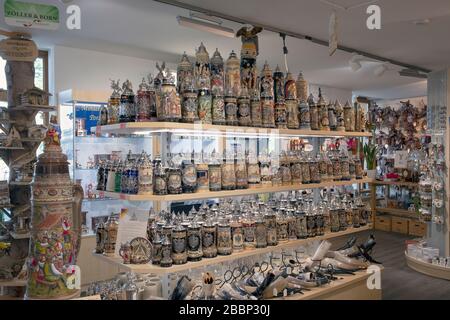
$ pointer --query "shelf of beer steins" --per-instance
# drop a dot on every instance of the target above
(143, 128)
(346, 287)
(227, 193)
(150, 268)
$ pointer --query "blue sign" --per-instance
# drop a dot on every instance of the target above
(90, 114)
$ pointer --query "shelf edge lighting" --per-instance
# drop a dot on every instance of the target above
(205, 26)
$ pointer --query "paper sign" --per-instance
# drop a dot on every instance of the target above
(128, 230)
(18, 50)
(401, 159)
(31, 15)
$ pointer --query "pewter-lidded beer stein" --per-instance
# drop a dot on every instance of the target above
(267, 97)
(332, 116)
(280, 115)
(313, 113)
(224, 239)
(339, 111)
(349, 117)
(249, 227)
(302, 88)
(156, 249)
(145, 174)
(301, 224)
(127, 103)
(228, 172)
(194, 241)
(166, 253)
(184, 70)
(255, 109)
(215, 172)
(260, 232)
(179, 239)
(233, 75)
(253, 171)
(114, 103)
(189, 105)
(170, 101)
(217, 74)
(189, 176)
(231, 110)
(174, 181)
(160, 183)
(324, 122)
(237, 234)
(143, 102)
(209, 235)
(241, 172)
(243, 104)
(270, 221)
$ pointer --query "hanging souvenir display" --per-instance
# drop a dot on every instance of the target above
(313, 113)
(184, 70)
(349, 117)
(324, 122)
(114, 103)
(127, 111)
(143, 102)
(55, 234)
(232, 75)
(243, 104)
(170, 101)
(267, 98)
(255, 109)
(340, 120)
(231, 110)
(189, 111)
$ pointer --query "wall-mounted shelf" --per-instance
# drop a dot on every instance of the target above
(398, 212)
(396, 183)
(149, 268)
(143, 128)
(228, 193)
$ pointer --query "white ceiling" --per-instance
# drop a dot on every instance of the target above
(148, 29)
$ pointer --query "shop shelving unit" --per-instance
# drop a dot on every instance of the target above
(162, 132)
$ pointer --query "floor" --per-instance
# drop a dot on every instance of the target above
(399, 282)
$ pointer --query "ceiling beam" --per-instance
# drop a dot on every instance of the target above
(289, 33)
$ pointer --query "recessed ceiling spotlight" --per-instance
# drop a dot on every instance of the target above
(422, 22)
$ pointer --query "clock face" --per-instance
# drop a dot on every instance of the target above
(141, 250)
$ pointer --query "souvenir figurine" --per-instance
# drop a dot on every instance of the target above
(339, 111)
(302, 88)
(170, 101)
(189, 105)
(314, 113)
(145, 175)
(143, 102)
(349, 117)
(127, 104)
(114, 103)
(324, 123)
(231, 110)
(290, 92)
(232, 75)
(243, 104)
(55, 234)
(184, 70)
(267, 98)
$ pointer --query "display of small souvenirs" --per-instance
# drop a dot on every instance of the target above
(231, 226)
(212, 91)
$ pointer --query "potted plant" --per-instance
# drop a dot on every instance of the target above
(370, 151)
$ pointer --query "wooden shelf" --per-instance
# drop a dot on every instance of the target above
(227, 193)
(346, 287)
(396, 183)
(149, 268)
(144, 128)
(398, 212)
(32, 107)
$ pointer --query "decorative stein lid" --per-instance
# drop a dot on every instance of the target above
(216, 58)
(337, 105)
(232, 59)
(116, 88)
(202, 55)
(143, 85)
(300, 77)
(168, 77)
(185, 64)
(278, 72)
(127, 88)
(321, 101)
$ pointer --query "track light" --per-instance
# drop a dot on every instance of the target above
(412, 73)
(380, 70)
(205, 26)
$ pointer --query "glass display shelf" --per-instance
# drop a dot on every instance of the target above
(150, 268)
(228, 193)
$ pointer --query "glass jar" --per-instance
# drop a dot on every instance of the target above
(189, 176)
(194, 241)
(224, 239)
(174, 181)
(231, 110)
(270, 220)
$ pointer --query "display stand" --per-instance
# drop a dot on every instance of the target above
(427, 268)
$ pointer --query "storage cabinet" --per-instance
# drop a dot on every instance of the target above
(417, 228)
(400, 225)
(383, 223)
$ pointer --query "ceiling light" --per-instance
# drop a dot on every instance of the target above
(412, 73)
(380, 70)
(205, 26)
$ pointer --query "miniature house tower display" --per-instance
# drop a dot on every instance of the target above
(18, 151)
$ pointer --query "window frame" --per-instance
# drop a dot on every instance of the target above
(44, 56)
